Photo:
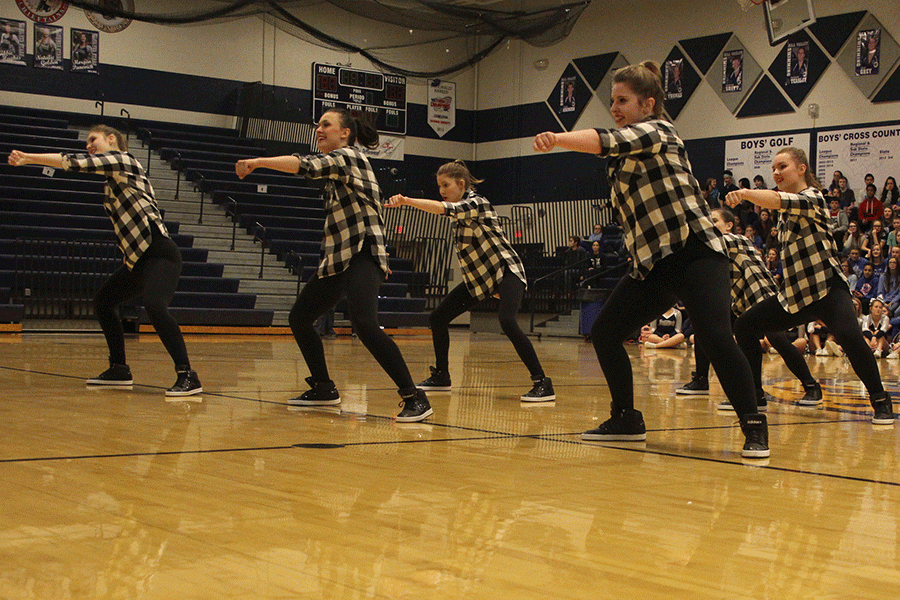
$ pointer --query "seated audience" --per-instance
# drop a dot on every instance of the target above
(664, 332)
(857, 262)
(597, 235)
(870, 208)
(773, 263)
(849, 273)
(890, 195)
(877, 260)
(839, 222)
(853, 239)
(875, 327)
(889, 287)
(866, 287)
(876, 236)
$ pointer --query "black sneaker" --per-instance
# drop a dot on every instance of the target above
(762, 403)
(115, 375)
(321, 393)
(415, 408)
(438, 382)
(811, 396)
(622, 426)
(884, 410)
(541, 392)
(187, 384)
(756, 436)
(698, 386)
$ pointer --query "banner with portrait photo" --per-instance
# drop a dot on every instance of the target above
(48, 46)
(13, 41)
(733, 71)
(868, 51)
(797, 62)
(85, 56)
(567, 95)
(673, 85)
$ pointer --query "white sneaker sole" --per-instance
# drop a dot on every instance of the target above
(170, 393)
(105, 383)
(538, 398)
(298, 402)
(615, 437)
(684, 392)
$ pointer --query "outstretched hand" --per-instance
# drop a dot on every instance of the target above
(244, 167)
(544, 142)
(395, 201)
(17, 158)
(732, 199)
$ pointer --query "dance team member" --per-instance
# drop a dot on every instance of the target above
(354, 260)
(814, 286)
(152, 260)
(489, 266)
(678, 253)
(751, 282)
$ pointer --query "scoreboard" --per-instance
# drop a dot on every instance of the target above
(376, 97)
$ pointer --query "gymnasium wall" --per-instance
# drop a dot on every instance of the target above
(192, 73)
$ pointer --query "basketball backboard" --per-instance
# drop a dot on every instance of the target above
(784, 17)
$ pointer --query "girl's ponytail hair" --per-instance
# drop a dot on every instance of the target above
(645, 80)
(361, 130)
(121, 142)
(458, 170)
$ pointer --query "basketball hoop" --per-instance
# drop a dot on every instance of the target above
(746, 4)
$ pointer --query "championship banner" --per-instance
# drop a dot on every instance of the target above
(442, 106)
(855, 152)
(748, 157)
(43, 11)
(389, 148)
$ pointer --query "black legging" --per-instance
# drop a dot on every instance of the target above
(700, 278)
(511, 291)
(359, 282)
(789, 352)
(835, 310)
(155, 275)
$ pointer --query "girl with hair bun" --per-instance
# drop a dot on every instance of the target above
(354, 260)
(489, 265)
(678, 253)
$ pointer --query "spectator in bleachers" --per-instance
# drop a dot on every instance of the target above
(750, 234)
(575, 257)
(766, 222)
(887, 217)
(890, 195)
(728, 184)
(839, 222)
(773, 264)
(835, 182)
(876, 236)
(759, 182)
(711, 193)
(877, 260)
(875, 328)
(597, 235)
(849, 273)
(772, 242)
(490, 267)
(870, 209)
(866, 287)
(844, 194)
(595, 266)
(354, 258)
(889, 287)
(744, 183)
(868, 180)
(853, 239)
(893, 238)
(813, 285)
(152, 260)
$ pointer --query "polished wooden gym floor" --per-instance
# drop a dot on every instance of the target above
(234, 494)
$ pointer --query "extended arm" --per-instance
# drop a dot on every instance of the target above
(286, 164)
(18, 159)
(765, 198)
(431, 206)
(584, 140)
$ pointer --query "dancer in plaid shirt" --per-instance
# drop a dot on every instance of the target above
(814, 286)
(354, 260)
(751, 283)
(489, 266)
(678, 254)
(152, 260)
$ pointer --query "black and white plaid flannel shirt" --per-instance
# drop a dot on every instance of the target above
(808, 252)
(130, 202)
(751, 281)
(352, 207)
(481, 245)
(659, 200)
